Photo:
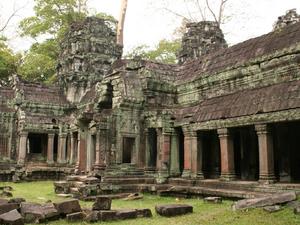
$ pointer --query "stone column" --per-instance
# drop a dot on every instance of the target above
(164, 144)
(50, 149)
(227, 155)
(175, 164)
(62, 148)
(197, 158)
(266, 154)
(77, 167)
(100, 150)
(73, 148)
(22, 147)
(147, 152)
(190, 151)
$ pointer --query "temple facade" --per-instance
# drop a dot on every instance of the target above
(227, 113)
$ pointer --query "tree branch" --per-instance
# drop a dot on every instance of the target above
(200, 10)
(221, 10)
(211, 11)
(175, 13)
(15, 11)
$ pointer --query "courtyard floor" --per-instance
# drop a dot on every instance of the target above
(204, 213)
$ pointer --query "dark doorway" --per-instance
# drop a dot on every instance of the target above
(211, 155)
(246, 153)
(37, 146)
(128, 147)
(55, 148)
(286, 139)
(179, 132)
(152, 141)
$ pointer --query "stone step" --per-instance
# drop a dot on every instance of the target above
(132, 180)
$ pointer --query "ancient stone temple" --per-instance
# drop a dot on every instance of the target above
(222, 113)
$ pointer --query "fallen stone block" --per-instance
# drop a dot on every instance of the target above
(61, 187)
(126, 214)
(297, 210)
(173, 209)
(16, 200)
(6, 188)
(37, 213)
(92, 216)
(144, 213)
(6, 194)
(6, 207)
(272, 208)
(269, 200)
(78, 216)
(107, 215)
(102, 203)
(64, 195)
(11, 218)
(213, 199)
(134, 196)
(68, 207)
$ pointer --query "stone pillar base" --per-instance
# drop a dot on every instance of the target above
(186, 174)
(228, 177)
(198, 176)
(50, 162)
(267, 178)
(162, 177)
(175, 173)
(149, 170)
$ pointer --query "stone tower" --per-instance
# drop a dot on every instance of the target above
(200, 39)
(290, 17)
(87, 53)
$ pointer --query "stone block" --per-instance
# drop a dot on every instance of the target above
(6, 207)
(37, 213)
(134, 196)
(144, 213)
(269, 200)
(107, 215)
(68, 207)
(78, 216)
(273, 208)
(213, 199)
(173, 209)
(12, 217)
(16, 200)
(126, 214)
(61, 187)
(102, 203)
(92, 217)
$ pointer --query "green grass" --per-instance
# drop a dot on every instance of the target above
(204, 213)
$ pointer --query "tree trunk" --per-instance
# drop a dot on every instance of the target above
(120, 29)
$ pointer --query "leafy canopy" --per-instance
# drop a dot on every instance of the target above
(164, 52)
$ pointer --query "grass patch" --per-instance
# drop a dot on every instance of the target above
(204, 213)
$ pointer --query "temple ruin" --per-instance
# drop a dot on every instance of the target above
(221, 114)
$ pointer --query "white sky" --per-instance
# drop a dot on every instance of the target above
(146, 22)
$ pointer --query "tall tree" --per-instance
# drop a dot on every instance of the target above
(120, 28)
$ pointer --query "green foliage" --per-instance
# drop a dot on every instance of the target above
(52, 17)
(164, 52)
(8, 61)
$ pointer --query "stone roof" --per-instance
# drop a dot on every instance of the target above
(241, 53)
(42, 94)
(269, 99)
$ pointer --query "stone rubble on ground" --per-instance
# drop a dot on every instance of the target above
(170, 210)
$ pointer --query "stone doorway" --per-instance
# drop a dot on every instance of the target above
(128, 148)
(286, 139)
(211, 155)
(37, 147)
(246, 153)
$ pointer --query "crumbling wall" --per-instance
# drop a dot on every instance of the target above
(291, 17)
(200, 39)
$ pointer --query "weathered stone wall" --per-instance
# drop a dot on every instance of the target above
(201, 38)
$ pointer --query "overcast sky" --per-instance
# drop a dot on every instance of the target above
(147, 23)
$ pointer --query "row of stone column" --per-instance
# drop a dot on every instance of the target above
(167, 142)
(62, 148)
